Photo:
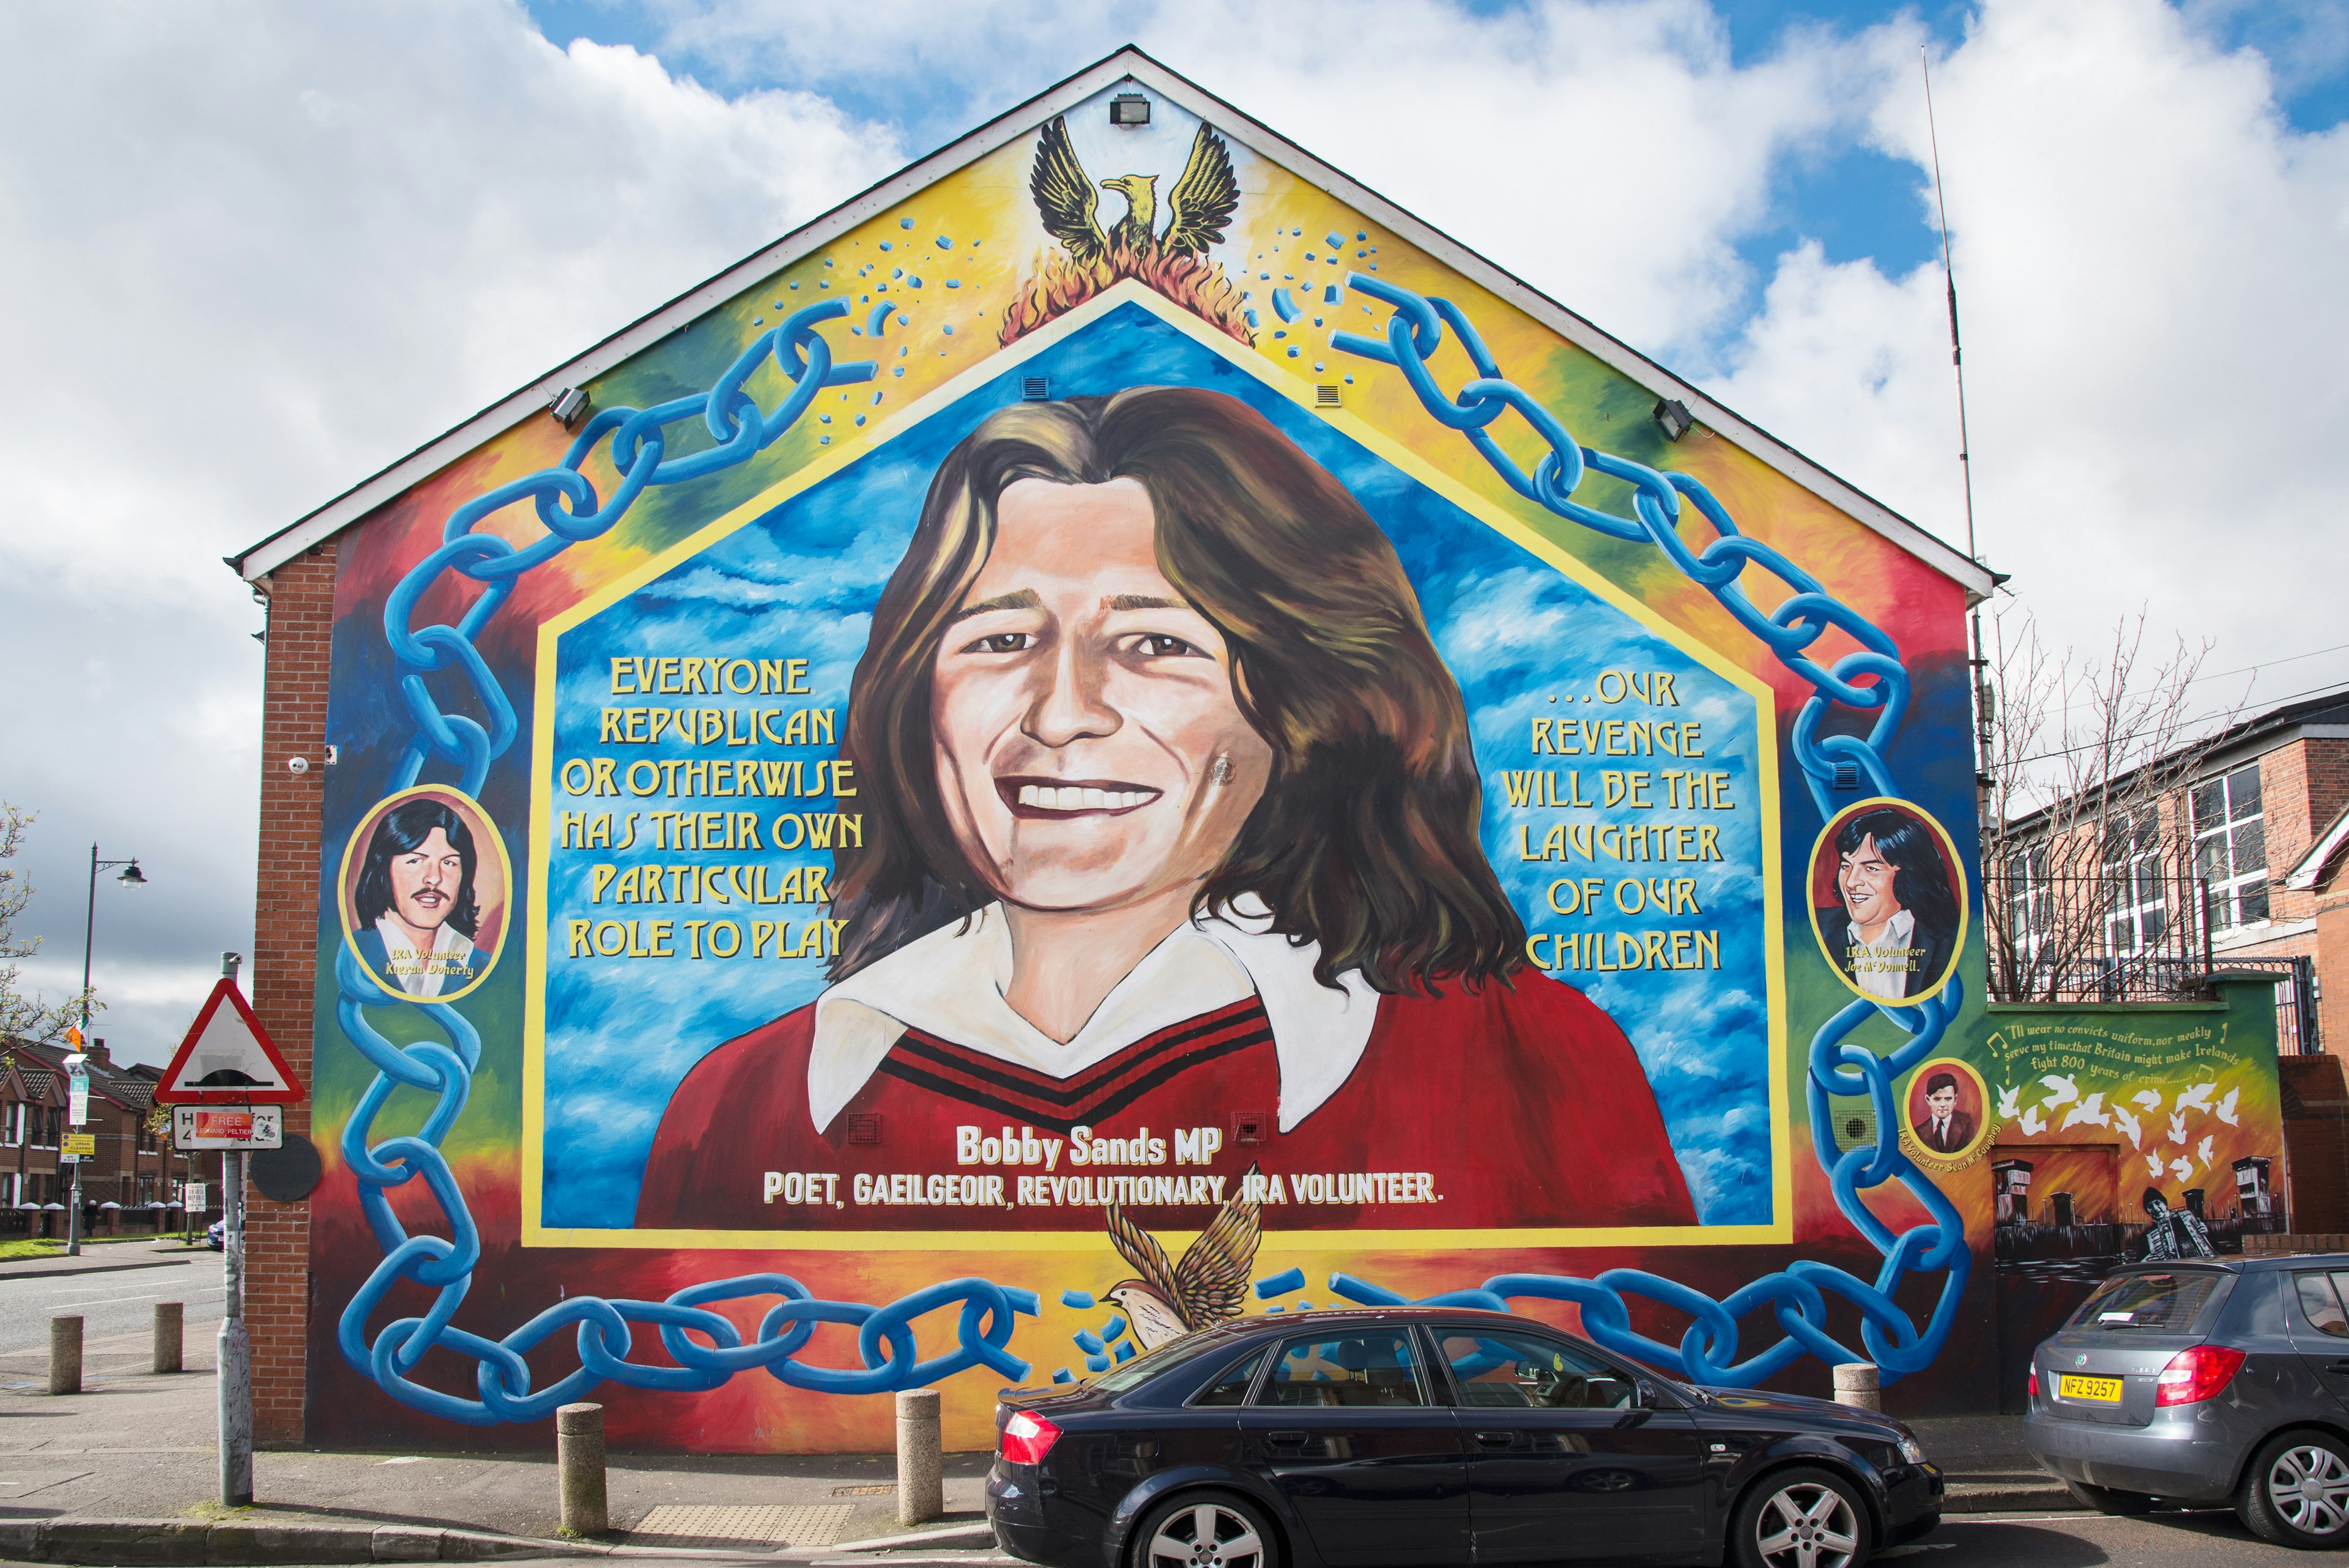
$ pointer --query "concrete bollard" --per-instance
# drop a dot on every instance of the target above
(579, 1465)
(65, 1354)
(1858, 1383)
(921, 1481)
(171, 1317)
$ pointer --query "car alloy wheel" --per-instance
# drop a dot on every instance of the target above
(2308, 1487)
(1205, 1532)
(1807, 1523)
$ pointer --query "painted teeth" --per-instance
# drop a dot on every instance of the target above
(1075, 797)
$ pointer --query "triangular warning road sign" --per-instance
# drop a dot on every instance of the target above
(228, 1056)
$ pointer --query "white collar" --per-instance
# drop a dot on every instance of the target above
(1896, 931)
(950, 983)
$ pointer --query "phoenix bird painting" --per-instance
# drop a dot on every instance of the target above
(1170, 256)
(1168, 1300)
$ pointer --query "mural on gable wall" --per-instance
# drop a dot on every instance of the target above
(1053, 788)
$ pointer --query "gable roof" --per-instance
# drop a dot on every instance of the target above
(255, 563)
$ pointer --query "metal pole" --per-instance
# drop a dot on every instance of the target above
(236, 1349)
(88, 933)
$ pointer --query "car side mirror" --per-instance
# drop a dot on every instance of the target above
(1645, 1396)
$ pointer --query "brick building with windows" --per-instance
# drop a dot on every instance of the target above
(136, 1180)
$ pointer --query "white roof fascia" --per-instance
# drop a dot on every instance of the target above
(2305, 873)
(1977, 579)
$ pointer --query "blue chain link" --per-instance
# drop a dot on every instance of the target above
(707, 1346)
(1871, 680)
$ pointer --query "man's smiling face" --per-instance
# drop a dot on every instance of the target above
(1865, 880)
(424, 882)
(1090, 750)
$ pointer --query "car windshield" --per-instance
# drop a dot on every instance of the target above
(1164, 1358)
(2147, 1304)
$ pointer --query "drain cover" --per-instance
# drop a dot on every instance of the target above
(806, 1525)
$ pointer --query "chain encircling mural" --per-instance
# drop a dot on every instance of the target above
(707, 1348)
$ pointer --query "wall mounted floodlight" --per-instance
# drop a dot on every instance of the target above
(568, 406)
(1128, 108)
(1673, 417)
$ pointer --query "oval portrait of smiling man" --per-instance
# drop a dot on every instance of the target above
(1887, 901)
(424, 894)
(1171, 844)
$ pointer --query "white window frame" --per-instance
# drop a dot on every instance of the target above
(2214, 845)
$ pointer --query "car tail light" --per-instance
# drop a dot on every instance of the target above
(2034, 1383)
(1028, 1437)
(2196, 1374)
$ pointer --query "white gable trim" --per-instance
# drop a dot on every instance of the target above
(268, 556)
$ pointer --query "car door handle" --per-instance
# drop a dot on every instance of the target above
(1287, 1439)
(1497, 1440)
(2340, 1367)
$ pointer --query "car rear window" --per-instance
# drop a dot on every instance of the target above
(1155, 1363)
(2147, 1304)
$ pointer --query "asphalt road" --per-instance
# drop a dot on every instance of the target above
(115, 1301)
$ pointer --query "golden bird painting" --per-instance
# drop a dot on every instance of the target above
(1167, 1300)
(1169, 256)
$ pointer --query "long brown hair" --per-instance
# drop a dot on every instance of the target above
(1366, 839)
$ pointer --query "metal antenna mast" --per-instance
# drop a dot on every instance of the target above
(1949, 275)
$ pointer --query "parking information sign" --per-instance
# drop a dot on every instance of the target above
(194, 1198)
(227, 1127)
(80, 1146)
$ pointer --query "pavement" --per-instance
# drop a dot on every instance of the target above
(126, 1472)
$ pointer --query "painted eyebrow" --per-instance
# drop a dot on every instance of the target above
(1145, 601)
(1024, 599)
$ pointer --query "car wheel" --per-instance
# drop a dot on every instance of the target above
(1805, 1518)
(1206, 1530)
(2104, 1500)
(2296, 1492)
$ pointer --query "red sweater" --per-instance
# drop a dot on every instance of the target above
(1518, 1106)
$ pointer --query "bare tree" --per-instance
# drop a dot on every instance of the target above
(22, 1016)
(2087, 842)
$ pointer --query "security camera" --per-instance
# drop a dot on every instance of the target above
(297, 765)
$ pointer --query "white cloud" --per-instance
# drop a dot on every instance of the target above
(253, 252)
(2150, 263)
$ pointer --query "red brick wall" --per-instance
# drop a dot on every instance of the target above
(285, 960)
(2301, 787)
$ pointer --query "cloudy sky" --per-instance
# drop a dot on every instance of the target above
(253, 251)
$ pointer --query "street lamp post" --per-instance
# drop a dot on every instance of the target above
(133, 877)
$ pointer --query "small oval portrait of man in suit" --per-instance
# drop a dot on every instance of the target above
(1888, 902)
(424, 894)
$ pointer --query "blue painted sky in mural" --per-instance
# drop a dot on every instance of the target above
(797, 584)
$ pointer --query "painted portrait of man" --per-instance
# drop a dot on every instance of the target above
(415, 908)
(1894, 927)
(1174, 826)
(1949, 1123)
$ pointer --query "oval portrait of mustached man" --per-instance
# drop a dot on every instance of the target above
(1171, 851)
(1887, 901)
(424, 893)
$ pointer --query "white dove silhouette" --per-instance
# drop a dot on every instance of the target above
(2197, 1098)
(2181, 1168)
(2177, 1130)
(2031, 1125)
(2153, 1164)
(2090, 1110)
(2202, 1152)
(2227, 1106)
(2065, 1092)
(2010, 1102)
(2148, 1098)
(2127, 1124)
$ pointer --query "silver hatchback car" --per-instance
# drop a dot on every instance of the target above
(2221, 1382)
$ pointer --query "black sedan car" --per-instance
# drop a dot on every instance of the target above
(1418, 1437)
